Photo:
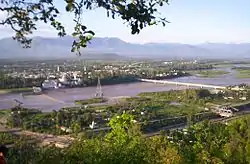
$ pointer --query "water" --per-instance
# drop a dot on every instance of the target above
(223, 80)
(65, 98)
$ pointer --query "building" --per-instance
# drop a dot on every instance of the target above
(49, 84)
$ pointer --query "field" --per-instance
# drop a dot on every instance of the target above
(243, 73)
(210, 73)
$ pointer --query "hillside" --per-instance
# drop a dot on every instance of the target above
(109, 48)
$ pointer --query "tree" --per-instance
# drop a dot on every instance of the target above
(203, 93)
(123, 144)
(123, 128)
(76, 128)
(24, 15)
(238, 148)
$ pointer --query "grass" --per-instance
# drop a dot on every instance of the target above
(90, 101)
(210, 73)
(7, 138)
(243, 73)
(4, 111)
(4, 114)
(15, 90)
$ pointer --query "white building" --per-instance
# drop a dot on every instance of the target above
(49, 84)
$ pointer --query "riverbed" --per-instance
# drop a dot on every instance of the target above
(55, 100)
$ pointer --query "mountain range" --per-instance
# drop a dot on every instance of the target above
(115, 48)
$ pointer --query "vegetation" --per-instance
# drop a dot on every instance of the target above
(229, 63)
(90, 101)
(15, 90)
(4, 112)
(242, 72)
(201, 143)
(17, 84)
(125, 141)
(7, 138)
(210, 73)
(152, 110)
(223, 65)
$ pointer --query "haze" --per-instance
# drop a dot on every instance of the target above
(192, 22)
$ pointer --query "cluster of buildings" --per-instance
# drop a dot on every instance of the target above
(66, 79)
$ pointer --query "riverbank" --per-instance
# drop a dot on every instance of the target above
(209, 73)
(104, 82)
(15, 90)
(66, 97)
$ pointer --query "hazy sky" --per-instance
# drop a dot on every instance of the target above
(192, 21)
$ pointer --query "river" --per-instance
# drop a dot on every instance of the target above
(65, 98)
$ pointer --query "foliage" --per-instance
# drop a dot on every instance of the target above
(122, 126)
(24, 15)
(90, 101)
(203, 93)
(7, 138)
(238, 148)
(201, 143)
(19, 84)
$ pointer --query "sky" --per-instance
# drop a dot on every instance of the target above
(191, 22)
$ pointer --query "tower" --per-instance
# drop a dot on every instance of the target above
(99, 92)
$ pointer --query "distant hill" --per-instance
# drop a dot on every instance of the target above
(115, 48)
(47, 48)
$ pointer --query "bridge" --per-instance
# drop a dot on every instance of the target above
(183, 84)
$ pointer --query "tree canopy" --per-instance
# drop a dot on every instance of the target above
(206, 143)
(24, 15)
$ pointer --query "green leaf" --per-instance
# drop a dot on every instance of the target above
(141, 25)
(69, 7)
(83, 28)
(90, 32)
(74, 34)
(35, 18)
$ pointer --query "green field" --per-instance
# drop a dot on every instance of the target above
(209, 73)
(90, 101)
(243, 73)
(15, 90)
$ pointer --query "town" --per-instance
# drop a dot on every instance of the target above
(59, 74)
